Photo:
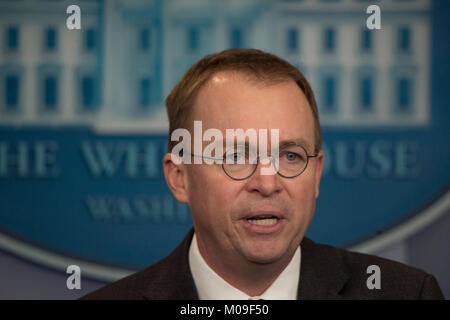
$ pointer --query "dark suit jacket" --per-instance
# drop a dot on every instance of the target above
(325, 273)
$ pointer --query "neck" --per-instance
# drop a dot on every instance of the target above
(249, 277)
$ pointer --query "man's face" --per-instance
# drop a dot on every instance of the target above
(220, 206)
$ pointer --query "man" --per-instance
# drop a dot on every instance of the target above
(248, 237)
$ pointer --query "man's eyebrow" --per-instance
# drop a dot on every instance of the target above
(298, 141)
(283, 143)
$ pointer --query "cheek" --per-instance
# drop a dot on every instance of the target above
(210, 194)
(302, 193)
(197, 184)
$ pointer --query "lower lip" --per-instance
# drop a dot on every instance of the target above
(261, 229)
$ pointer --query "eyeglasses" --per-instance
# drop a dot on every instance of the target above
(241, 164)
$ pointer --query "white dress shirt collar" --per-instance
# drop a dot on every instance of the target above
(210, 286)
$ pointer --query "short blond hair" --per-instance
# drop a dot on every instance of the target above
(260, 65)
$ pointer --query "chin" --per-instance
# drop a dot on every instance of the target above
(263, 259)
(264, 255)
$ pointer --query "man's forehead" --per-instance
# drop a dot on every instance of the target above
(231, 102)
(227, 76)
(222, 77)
(228, 92)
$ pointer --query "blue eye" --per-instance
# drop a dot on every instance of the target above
(291, 156)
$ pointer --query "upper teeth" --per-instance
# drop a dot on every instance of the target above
(263, 221)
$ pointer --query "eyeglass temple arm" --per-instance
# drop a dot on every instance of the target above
(199, 156)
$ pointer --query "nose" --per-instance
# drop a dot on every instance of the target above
(265, 184)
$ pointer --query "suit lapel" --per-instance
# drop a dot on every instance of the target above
(174, 281)
(323, 273)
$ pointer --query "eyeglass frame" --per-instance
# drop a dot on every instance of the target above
(257, 162)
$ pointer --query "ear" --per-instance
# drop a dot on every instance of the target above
(175, 175)
(318, 172)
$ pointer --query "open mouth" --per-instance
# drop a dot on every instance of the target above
(263, 220)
